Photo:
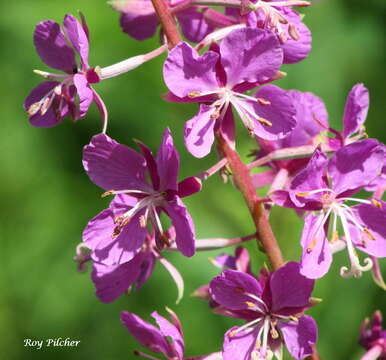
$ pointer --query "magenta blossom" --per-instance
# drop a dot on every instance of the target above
(273, 307)
(311, 121)
(117, 234)
(373, 338)
(139, 19)
(281, 19)
(325, 186)
(51, 101)
(167, 340)
(246, 58)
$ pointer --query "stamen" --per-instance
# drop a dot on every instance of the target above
(368, 234)
(245, 326)
(264, 121)
(142, 221)
(107, 193)
(311, 245)
(307, 193)
(293, 32)
(356, 268)
(377, 203)
(254, 297)
(363, 201)
(263, 101)
(34, 108)
(194, 94)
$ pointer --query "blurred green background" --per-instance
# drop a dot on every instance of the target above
(47, 198)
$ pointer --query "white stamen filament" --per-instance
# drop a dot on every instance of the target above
(245, 326)
(356, 268)
(363, 201)
(256, 298)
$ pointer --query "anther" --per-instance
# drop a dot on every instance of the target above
(335, 236)
(377, 203)
(303, 194)
(293, 31)
(368, 233)
(263, 101)
(250, 304)
(34, 108)
(264, 121)
(194, 94)
(142, 221)
(312, 245)
(107, 193)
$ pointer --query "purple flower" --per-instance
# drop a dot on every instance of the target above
(273, 308)
(139, 19)
(373, 338)
(167, 339)
(245, 59)
(281, 19)
(118, 233)
(311, 121)
(325, 186)
(51, 101)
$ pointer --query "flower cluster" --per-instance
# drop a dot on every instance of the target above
(334, 179)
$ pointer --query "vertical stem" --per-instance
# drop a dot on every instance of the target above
(167, 21)
(244, 183)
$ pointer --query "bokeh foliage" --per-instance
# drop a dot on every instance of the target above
(47, 198)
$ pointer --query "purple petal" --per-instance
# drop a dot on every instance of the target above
(146, 334)
(251, 55)
(280, 113)
(296, 50)
(85, 93)
(356, 165)
(168, 163)
(147, 268)
(289, 288)
(183, 224)
(193, 25)
(299, 336)
(312, 177)
(150, 163)
(230, 288)
(51, 117)
(241, 345)
(199, 132)
(52, 47)
(373, 219)
(138, 18)
(113, 166)
(355, 111)
(76, 34)
(186, 72)
(114, 280)
(169, 330)
(223, 261)
(109, 249)
(310, 110)
(317, 256)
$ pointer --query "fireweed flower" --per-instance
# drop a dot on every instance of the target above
(240, 262)
(281, 19)
(373, 338)
(273, 307)
(311, 121)
(139, 19)
(51, 101)
(245, 59)
(112, 281)
(157, 340)
(324, 187)
(116, 236)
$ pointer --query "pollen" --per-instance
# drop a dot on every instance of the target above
(312, 245)
(264, 121)
(377, 203)
(368, 234)
(107, 193)
(302, 194)
(194, 94)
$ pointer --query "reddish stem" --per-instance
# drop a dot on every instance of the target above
(167, 21)
(244, 183)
